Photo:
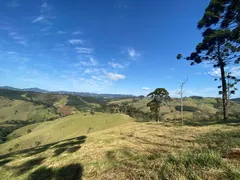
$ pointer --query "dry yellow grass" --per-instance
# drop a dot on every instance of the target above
(123, 152)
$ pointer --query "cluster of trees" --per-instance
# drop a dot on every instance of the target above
(14, 125)
(125, 108)
(220, 45)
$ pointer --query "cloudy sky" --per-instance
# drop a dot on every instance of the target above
(110, 46)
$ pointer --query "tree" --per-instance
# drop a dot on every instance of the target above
(159, 97)
(220, 44)
(181, 96)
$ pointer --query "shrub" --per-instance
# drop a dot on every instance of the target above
(9, 149)
(29, 131)
(16, 145)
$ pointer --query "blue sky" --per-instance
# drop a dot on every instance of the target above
(110, 46)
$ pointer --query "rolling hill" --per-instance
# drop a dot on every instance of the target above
(62, 129)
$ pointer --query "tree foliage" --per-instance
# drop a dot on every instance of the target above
(220, 45)
(159, 97)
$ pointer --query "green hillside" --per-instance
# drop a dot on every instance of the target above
(61, 129)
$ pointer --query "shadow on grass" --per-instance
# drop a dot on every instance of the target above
(5, 161)
(69, 145)
(220, 140)
(28, 165)
(70, 172)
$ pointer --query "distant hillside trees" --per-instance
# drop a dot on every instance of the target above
(220, 44)
(159, 97)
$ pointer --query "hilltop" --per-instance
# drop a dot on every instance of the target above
(133, 151)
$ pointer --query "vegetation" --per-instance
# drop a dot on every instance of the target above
(159, 97)
(220, 44)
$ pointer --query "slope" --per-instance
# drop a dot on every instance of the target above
(133, 151)
(61, 129)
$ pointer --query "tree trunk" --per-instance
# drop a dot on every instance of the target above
(159, 111)
(156, 114)
(224, 93)
(181, 107)
(224, 85)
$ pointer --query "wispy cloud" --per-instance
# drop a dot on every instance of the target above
(39, 18)
(61, 32)
(24, 43)
(91, 62)
(75, 41)
(146, 88)
(46, 15)
(19, 39)
(115, 65)
(14, 4)
(76, 32)
(115, 76)
(82, 50)
(133, 54)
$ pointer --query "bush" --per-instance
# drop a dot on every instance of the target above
(16, 145)
(9, 149)
(29, 131)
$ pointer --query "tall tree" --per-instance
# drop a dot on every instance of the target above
(221, 39)
(159, 97)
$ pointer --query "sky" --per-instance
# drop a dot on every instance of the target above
(110, 46)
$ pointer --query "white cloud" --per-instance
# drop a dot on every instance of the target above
(133, 54)
(76, 32)
(235, 71)
(215, 72)
(45, 5)
(91, 63)
(61, 32)
(115, 77)
(82, 50)
(19, 39)
(115, 65)
(46, 15)
(39, 18)
(11, 52)
(146, 88)
(75, 41)
(24, 43)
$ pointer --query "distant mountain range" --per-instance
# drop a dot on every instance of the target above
(68, 92)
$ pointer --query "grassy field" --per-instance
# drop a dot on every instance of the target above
(164, 150)
(60, 129)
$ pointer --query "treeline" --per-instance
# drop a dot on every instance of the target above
(10, 126)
